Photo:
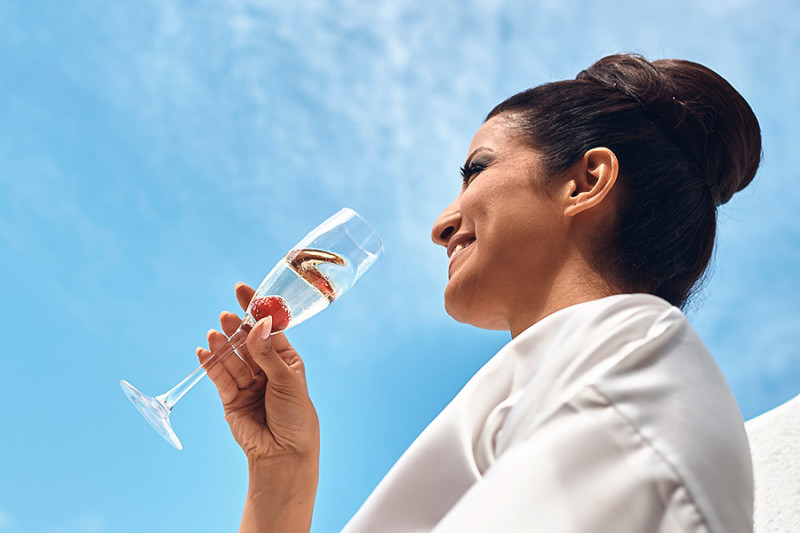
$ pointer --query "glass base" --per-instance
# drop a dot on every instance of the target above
(153, 411)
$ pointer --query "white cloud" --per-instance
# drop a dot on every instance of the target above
(5, 519)
(310, 104)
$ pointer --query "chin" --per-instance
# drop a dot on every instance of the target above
(473, 313)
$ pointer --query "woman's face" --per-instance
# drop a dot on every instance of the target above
(505, 234)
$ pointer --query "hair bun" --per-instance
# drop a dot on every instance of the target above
(705, 116)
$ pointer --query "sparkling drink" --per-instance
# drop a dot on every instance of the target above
(303, 287)
(323, 265)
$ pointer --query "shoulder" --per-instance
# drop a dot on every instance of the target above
(577, 345)
(635, 360)
(588, 345)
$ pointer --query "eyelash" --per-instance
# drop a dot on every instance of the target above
(469, 170)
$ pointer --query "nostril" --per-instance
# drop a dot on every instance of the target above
(447, 233)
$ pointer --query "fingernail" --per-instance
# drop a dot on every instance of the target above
(266, 328)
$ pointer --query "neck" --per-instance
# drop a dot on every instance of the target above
(577, 284)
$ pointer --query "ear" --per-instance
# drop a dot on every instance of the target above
(590, 181)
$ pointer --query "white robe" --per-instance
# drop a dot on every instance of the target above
(607, 416)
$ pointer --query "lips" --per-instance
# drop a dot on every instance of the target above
(456, 249)
(462, 239)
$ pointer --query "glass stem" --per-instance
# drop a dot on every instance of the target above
(171, 397)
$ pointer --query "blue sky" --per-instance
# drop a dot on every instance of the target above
(154, 153)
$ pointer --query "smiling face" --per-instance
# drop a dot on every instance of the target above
(506, 234)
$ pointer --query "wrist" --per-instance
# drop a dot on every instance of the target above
(281, 494)
(278, 464)
(291, 476)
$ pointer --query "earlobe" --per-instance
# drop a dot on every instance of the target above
(593, 177)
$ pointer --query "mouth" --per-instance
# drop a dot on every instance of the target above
(458, 250)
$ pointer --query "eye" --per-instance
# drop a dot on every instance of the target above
(471, 169)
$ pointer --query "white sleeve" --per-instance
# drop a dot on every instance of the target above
(586, 468)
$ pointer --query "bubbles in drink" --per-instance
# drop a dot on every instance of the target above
(303, 287)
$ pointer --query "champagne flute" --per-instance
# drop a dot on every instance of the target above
(319, 269)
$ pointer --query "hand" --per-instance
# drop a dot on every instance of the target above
(265, 397)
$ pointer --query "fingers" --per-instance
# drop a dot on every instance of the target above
(279, 343)
(263, 352)
(222, 379)
(244, 293)
(234, 366)
(230, 323)
(289, 356)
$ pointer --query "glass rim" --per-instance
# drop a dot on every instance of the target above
(367, 224)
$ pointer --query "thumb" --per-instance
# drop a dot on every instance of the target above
(260, 347)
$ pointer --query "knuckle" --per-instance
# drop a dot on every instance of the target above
(267, 350)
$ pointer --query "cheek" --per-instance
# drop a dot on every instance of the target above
(483, 199)
(470, 203)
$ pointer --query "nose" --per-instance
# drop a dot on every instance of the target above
(447, 224)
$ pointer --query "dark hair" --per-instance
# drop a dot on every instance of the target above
(686, 141)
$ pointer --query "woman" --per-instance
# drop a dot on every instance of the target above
(586, 217)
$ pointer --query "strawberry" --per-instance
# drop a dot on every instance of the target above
(274, 306)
